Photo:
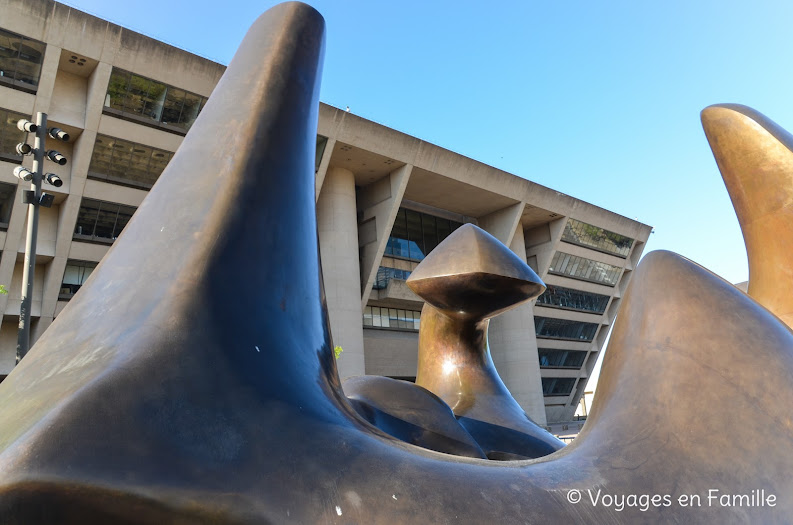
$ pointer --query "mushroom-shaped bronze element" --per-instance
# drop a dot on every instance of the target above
(192, 379)
(466, 280)
(755, 157)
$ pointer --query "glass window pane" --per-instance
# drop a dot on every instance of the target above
(105, 221)
(137, 95)
(444, 228)
(10, 135)
(117, 90)
(172, 109)
(124, 215)
(102, 155)
(9, 51)
(7, 194)
(578, 232)
(428, 229)
(154, 100)
(31, 53)
(192, 103)
(415, 235)
(139, 165)
(122, 156)
(86, 217)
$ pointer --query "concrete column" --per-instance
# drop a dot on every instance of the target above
(513, 345)
(338, 239)
(380, 203)
(319, 177)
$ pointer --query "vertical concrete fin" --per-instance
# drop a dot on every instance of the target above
(503, 223)
(380, 202)
(319, 178)
(513, 346)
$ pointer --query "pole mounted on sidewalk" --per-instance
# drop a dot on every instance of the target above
(34, 198)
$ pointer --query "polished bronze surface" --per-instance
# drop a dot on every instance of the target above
(192, 379)
(755, 157)
(467, 279)
(410, 413)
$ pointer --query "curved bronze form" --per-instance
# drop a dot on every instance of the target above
(468, 279)
(147, 401)
(410, 413)
(755, 157)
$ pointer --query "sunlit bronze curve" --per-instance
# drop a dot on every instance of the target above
(466, 280)
(192, 379)
(755, 157)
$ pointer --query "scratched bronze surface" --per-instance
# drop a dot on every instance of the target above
(192, 379)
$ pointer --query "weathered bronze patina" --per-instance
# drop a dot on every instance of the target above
(192, 379)
(468, 279)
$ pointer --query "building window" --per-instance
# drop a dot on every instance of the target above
(385, 274)
(559, 297)
(99, 221)
(415, 234)
(7, 193)
(10, 135)
(581, 233)
(564, 329)
(20, 61)
(123, 162)
(584, 269)
(152, 102)
(561, 358)
(74, 276)
(380, 317)
(557, 386)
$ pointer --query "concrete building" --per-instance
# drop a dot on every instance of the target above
(384, 200)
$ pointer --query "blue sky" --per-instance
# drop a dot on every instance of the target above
(599, 100)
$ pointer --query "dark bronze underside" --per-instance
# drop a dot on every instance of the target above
(192, 379)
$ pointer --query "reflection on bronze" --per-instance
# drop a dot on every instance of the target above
(192, 379)
(755, 157)
(468, 279)
(410, 413)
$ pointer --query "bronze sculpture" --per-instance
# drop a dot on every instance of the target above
(469, 278)
(179, 409)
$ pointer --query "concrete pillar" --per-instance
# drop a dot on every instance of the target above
(513, 343)
(379, 203)
(338, 239)
(319, 177)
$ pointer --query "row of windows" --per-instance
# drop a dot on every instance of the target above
(74, 276)
(147, 98)
(561, 358)
(101, 221)
(121, 161)
(585, 269)
(385, 274)
(415, 234)
(10, 135)
(557, 386)
(559, 297)
(20, 59)
(377, 317)
(578, 232)
(564, 329)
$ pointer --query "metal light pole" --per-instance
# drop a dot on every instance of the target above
(34, 198)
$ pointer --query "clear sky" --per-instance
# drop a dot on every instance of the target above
(599, 100)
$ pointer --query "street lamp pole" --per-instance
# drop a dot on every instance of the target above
(23, 337)
(34, 198)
